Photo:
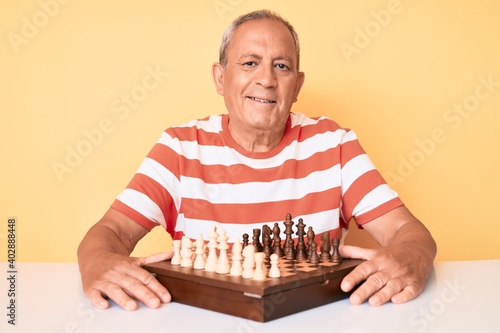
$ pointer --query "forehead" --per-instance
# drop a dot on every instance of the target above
(266, 36)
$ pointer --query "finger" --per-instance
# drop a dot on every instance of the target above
(156, 258)
(355, 252)
(120, 297)
(359, 274)
(385, 294)
(373, 283)
(407, 294)
(95, 297)
(144, 286)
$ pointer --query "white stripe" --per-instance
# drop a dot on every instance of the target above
(355, 168)
(163, 176)
(142, 204)
(373, 199)
(320, 222)
(215, 155)
(283, 189)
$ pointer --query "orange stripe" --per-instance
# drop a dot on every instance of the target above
(379, 211)
(239, 173)
(133, 214)
(358, 190)
(157, 194)
(260, 212)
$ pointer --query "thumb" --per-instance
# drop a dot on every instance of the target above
(355, 252)
(162, 256)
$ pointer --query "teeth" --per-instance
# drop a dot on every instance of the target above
(261, 100)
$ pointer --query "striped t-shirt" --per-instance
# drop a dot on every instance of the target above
(197, 176)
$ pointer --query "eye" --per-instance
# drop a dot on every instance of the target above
(282, 66)
(249, 64)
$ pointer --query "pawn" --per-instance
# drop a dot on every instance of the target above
(313, 257)
(199, 261)
(274, 271)
(176, 259)
(236, 267)
(260, 273)
(245, 240)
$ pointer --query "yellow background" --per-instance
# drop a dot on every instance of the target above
(395, 71)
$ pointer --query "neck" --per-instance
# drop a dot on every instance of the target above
(257, 141)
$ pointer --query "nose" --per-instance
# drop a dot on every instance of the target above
(266, 77)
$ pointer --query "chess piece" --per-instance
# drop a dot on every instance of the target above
(260, 272)
(301, 251)
(199, 261)
(176, 259)
(248, 262)
(186, 252)
(336, 257)
(236, 256)
(245, 240)
(276, 245)
(266, 240)
(274, 271)
(313, 256)
(289, 243)
(310, 239)
(223, 261)
(256, 240)
(211, 262)
(325, 247)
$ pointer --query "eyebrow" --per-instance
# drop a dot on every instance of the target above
(256, 56)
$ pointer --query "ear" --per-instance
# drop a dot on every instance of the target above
(218, 77)
(300, 83)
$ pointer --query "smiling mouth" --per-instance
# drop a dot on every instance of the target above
(268, 101)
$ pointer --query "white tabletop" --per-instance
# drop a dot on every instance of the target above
(460, 297)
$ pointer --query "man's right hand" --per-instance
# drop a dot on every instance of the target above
(123, 280)
(108, 271)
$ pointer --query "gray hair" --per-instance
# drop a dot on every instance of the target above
(256, 15)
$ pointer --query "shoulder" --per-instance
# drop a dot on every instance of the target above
(210, 124)
(320, 128)
(317, 123)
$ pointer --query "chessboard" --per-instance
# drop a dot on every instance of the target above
(257, 281)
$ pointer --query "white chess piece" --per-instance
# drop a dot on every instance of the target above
(186, 252)
(199, 261)
(236, 256)
(176, 259)
(260, 273)
(248, 262)
(274, 271)
(211, 262)
(223, 261)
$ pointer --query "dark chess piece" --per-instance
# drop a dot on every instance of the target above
(266, 240)
(325, 247)
(310, 239)
(301, 246)
(277, 241)
(289, 243)
(256, 240)
(313, 256)
(336, 258)
(245, 240)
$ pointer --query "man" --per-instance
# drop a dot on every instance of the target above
(250, 167)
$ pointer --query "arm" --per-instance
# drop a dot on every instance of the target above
(397, 271)
(107, 269)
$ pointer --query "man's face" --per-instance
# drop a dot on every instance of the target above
(261, 81)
